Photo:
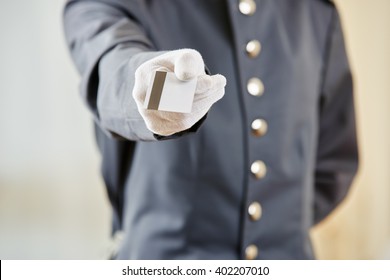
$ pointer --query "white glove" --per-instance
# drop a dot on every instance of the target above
(186, 64)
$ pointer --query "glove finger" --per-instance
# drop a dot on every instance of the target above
(209, 98)
(204, 100)
(188, 64)
(218, 81)
(206, 83)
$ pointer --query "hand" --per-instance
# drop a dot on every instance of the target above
(186, 64)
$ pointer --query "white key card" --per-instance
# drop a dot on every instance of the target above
(168, 93)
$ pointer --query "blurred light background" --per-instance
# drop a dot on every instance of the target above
(52, 199)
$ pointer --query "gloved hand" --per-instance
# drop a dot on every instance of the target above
(186, 64)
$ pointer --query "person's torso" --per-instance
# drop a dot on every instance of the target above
(188, 198)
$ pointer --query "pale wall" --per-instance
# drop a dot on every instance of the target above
(52, 201)
(360, 229)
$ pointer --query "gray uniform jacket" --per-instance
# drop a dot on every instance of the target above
(274, 157)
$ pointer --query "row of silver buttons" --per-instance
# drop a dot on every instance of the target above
(259, 127)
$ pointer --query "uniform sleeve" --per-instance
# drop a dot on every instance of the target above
(107, 45)
(337, 155)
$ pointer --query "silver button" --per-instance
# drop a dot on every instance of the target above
(259, 127)
(259, 169)
(247, 7)
(255, 211)
(251, 252)
(255, 87)
(253, 48)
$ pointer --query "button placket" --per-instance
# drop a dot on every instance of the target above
(259, 127)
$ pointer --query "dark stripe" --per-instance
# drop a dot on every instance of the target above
(155, 95)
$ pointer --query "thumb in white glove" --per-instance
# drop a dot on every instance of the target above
(186, 64)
